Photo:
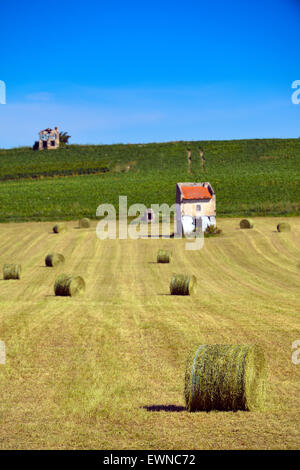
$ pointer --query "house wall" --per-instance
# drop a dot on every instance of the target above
(207, 207)
(49, 141)
(178, 211)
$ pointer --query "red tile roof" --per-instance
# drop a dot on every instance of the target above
(195, 192)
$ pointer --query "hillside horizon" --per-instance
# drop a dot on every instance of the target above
(250, 177)
(187, 141)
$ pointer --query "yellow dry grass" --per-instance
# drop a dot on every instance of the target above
(106, 370)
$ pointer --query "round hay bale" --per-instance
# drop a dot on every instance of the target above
(246, 223)
(84, 223)
(12, 271)
(283, 227)
(53, 259)
(164, 256)
(183, 284)
(225, 377)
(59, 228)
(66, 285)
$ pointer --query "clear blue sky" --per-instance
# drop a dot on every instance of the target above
(144, 71)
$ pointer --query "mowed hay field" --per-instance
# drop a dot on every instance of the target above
(106, 370)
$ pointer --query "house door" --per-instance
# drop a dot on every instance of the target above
(188, 225)
(205, 223)
(44, 144)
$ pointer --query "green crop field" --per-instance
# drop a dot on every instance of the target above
(250, 177)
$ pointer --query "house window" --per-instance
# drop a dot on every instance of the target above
(53, 143)
(198, 207)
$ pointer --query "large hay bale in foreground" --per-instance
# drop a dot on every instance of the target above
(246, 223)
(183, 284)
(225, 377)
(12, 271)
(53, 259)
(283, 227)
(66, 285)
(84, 223)
(59, 228)
(164, 256)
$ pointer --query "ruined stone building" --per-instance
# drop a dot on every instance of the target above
(49, 139)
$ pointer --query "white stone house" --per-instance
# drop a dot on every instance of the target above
(149, 216)
(196, 206)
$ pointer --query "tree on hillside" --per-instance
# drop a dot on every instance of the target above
(64, 138)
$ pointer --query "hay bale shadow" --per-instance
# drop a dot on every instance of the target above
(154, 237)
(167, 408)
